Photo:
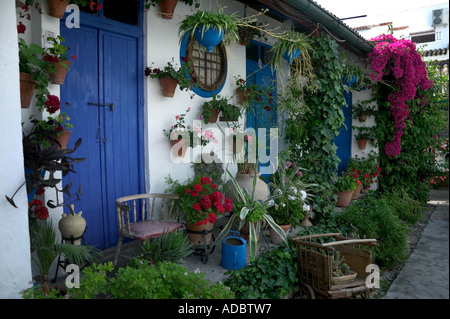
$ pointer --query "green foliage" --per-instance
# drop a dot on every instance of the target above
(311, 134)
(209, 165)
(269, 276)
(407, 208)
(172, 247)
(373, 217)
(164, 281)
(338, 266)
(346, 183)
(93, 282)
(220, 104)
(152, 3)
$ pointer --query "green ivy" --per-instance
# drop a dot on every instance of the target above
(312, 141)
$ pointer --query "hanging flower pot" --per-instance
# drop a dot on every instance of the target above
(291, 55)
(214, 116)
(362, 143)
(27, 85)
(362, 116)
(179, 147)
(208, 38)
(59, 75)
(57, 8)
(168, 8)
(168, 86)
(63, 139)
(349, 80)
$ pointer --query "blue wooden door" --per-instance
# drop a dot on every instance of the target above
(344, 139)
(103, 88)
(262, 114)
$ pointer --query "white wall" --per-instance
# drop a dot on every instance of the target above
(15, 270)
(162, 44)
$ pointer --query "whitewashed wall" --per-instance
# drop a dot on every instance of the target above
(15, 270)
(163, 44)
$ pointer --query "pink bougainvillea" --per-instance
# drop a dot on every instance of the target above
(398, 58)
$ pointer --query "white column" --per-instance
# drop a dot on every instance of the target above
(15, 260)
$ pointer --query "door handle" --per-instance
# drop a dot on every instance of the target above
(111, 105)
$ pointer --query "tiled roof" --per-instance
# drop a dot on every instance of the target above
(435, 52)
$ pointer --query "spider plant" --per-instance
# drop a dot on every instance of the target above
(224, 23)
(288, 44)
(252, 212)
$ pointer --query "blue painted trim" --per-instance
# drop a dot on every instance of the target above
(196, 90)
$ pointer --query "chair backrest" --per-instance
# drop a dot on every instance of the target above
(140, 207)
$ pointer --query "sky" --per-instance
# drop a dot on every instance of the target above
(371, 8)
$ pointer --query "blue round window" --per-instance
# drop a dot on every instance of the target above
(209, 68)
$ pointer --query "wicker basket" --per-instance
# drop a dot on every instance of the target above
(341, 279)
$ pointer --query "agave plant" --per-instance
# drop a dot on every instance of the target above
(167, 247)
(252, 212)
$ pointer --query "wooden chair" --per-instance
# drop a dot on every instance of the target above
(137, 220)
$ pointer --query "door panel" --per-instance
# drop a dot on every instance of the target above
(343, 140)
(104, 73)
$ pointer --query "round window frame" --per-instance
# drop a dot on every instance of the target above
(201, 89)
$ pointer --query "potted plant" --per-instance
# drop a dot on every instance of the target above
(293, 197)
(209, 28)
(345, 186)
(57, 8)
(367, 168)
(168, 6)
(171, 77)
(220, 105)
(252, 212)
(293, 46)
(31, 70)
(183, 136)
(64, 129)
(248, 31)
(361, 110)
(58, 58)
(45, 249)
(364, 134)
(202, 203)
(340, 270)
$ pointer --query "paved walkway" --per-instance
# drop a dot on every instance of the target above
(426, 273)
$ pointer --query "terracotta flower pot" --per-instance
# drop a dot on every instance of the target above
(167, 8)
(362, 143)
(356, 192)
(195, 233)
(242, 95)
(59, 75)
(63, 139)
(179, 147)
(57, 8)
(344, 198)
(362, 116)
(27, 85)
(168, 86)
(274, 237)
(213, 118)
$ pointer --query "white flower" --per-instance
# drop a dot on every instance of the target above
(306, 207)
(278, 191)
(283, 204)
(303, 194)
(293, 189)
(271, 202)
(291, 197)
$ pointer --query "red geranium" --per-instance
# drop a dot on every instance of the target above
(53, 104)
(202, 202)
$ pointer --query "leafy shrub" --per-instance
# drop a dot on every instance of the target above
(408, 209)
(145, 280)
(269, 276)
(165, 280)
(373, 217)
